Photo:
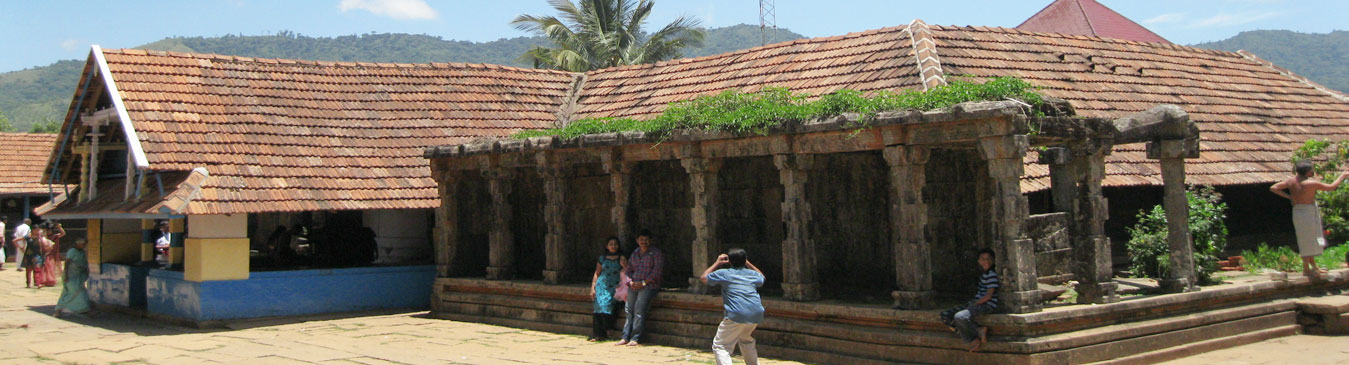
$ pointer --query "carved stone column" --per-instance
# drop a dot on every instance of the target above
(1009, 210)
(447, 219)
(908, 224)
(620, 184)
(1091, 248)
(501, 248)
(800, 275)
(706, 201)
(1172, 153)
(554, 217)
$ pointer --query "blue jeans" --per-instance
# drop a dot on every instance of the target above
(639, 302)
(962, 319)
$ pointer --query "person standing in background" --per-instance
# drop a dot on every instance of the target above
(21, 241)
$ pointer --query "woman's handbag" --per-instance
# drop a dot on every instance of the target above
(621, 291)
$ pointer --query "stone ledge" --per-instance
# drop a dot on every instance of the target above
(1336, 304)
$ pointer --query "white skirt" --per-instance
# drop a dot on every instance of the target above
(1307, 224)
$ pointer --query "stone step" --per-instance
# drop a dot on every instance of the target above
(1191, 349)
(812, 341)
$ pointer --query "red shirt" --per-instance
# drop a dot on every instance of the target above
(646, 266)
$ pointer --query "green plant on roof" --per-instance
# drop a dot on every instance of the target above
(741, 112)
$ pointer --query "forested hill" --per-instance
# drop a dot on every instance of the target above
(44, 93)
(1323, 58)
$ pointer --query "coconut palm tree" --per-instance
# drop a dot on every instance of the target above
(595, 34)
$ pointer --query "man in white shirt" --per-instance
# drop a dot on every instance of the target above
(162, 244)
(21, 240)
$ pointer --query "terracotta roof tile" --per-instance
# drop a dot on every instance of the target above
(284, 135)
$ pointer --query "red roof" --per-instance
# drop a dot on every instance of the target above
(1089, 18)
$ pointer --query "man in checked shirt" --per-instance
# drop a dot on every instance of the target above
(644, 269)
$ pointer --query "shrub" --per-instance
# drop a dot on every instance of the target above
(1149, 253)
(1285, 259)
(754, 113)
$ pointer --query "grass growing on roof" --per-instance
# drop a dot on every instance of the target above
(754, 113)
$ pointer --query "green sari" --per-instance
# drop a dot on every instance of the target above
(74, 297)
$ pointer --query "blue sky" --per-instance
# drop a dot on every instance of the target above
(37, 33)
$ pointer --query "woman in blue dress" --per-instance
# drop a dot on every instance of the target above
(74, 297)
(602, 285)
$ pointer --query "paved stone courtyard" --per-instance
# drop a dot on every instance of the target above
(29, 335)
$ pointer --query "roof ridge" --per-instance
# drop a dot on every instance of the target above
(1289, 73)
(325, 63)
(897, 28)
(925, 54)
(1086, 17)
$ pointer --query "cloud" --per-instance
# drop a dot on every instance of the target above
(1165, 18)
(1227, 20)
(72, 45)
(397, 9)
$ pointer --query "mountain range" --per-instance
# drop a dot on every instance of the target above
(43, 93)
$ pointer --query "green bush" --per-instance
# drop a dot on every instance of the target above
(1285, 259)
(1149, 253)
(754, 113)
(1328, 157)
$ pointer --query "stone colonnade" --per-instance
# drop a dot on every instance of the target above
(997, 131)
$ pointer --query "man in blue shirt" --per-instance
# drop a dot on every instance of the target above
(740, 296)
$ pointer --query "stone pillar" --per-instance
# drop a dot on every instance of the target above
(1008, 213)
(447, 220)
(1063, 178)
(218, 248)
(620, 183)
(1091, 248)
(501, 248)
(800, 276)
(554, 217)
(148, 230)
(706, 201)
(177, 227)
(908, 224)
(1172, 153)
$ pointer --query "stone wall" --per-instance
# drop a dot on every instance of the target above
(474, 224)
(660, 203)
(589, 200)
(751, 214)
(527, 226)
(952, 193)
(851, 225)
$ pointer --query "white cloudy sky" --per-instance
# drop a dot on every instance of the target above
(35, 33)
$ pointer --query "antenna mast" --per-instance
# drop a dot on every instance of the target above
(767, 19)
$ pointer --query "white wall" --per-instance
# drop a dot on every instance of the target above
(401, 235)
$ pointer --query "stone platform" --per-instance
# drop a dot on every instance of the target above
(1135, 330)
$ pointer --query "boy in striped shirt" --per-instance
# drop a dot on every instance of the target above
(961, 318)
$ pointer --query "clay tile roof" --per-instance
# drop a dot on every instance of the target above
(1252, 114)
(1087, 18)
(22, 158)
(310, 136)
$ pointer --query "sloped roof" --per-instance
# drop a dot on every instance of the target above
(283, 135)
(286, 135)
(1251, 115)
(22, 158)
(1089, 18)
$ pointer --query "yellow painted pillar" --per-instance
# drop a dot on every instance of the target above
(177, 227)
(147, 240)
(217, 248)
(93, 245)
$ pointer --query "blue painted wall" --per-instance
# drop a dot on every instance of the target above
(118, 284)
(288, 293)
